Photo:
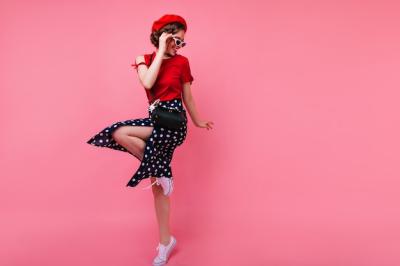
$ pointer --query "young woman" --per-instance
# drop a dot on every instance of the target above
(167, 78)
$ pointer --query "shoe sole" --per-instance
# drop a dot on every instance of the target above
(169, 252)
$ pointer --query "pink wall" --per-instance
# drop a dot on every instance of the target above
(301, 168)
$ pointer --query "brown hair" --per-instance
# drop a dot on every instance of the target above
(173, 28)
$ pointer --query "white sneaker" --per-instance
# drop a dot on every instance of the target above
(164, 252)
(166, 183)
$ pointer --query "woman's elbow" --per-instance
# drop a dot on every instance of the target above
(147, 85)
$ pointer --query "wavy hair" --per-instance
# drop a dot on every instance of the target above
(173, 28)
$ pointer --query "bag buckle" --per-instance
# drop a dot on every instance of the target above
(153, 105)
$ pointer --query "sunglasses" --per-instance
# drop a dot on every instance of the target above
(179, 42)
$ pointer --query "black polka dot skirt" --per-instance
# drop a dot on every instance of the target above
(160, 146)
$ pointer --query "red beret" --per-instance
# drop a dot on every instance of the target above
(166, 19)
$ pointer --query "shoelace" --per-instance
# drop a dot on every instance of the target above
(162, 251)
(149, 186)
(153, 105)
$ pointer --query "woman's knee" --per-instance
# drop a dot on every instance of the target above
(119, 134)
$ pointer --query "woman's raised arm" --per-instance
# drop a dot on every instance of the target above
(148, 75)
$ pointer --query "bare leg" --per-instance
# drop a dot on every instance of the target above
(133, 144)
(133, 139)
(162, 207)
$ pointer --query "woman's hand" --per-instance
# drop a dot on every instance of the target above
(162, 41)
(204, 124)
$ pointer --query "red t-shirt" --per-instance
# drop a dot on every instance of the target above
(173, 73)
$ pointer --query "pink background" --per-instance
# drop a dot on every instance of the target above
(301, 168)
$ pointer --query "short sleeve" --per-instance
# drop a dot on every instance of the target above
(134, 65)
(186, 73)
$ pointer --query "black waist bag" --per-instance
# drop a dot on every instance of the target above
(169, 118)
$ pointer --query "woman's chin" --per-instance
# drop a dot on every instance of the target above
(172, 52)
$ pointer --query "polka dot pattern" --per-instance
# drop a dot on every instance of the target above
(159, 148)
